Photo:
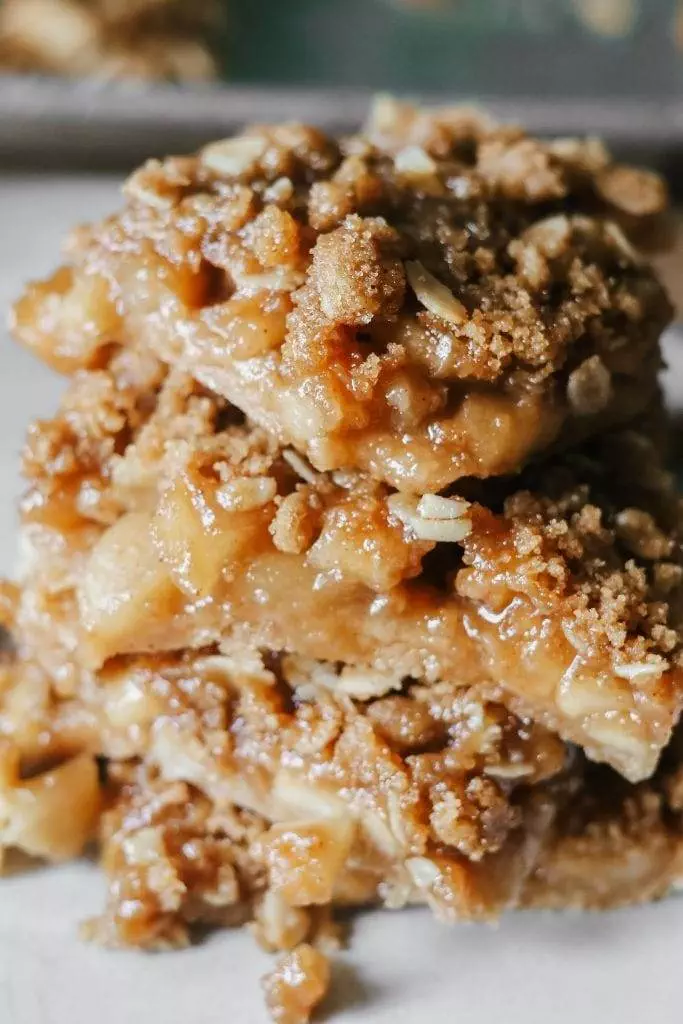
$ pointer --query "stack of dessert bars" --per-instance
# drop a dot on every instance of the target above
(350, 565)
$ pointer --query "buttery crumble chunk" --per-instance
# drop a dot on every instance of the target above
(297, 985)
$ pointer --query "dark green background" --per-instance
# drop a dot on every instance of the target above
(482, 47)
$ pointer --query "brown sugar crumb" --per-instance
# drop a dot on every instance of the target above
(297, 985)
(361, 538)
(157, 184)
(475, 818)
(353, 277)
(173, 860)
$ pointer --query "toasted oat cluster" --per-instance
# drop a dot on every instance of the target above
(351, 550)
(111, 38)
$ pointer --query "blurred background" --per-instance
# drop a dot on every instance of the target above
(106, 82)
(510, 47)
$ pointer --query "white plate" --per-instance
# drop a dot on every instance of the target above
(402, 968)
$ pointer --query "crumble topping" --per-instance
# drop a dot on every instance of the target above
(378, 302)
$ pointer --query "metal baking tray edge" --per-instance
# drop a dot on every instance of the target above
(97, 125)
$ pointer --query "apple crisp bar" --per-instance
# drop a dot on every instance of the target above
(351, 570)
(156, 521)
(437, 298)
